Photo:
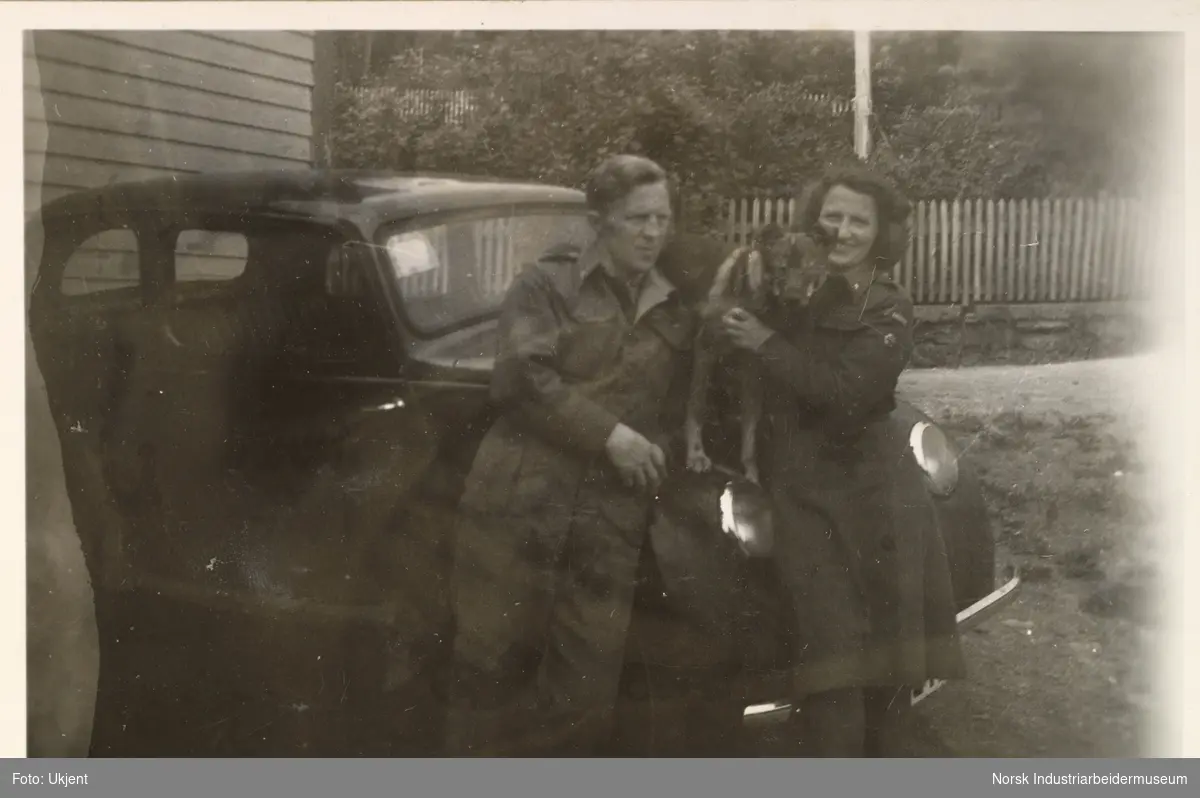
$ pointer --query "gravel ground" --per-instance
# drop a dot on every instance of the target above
(1066, 670)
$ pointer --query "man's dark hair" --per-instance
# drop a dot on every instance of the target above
(618, 175)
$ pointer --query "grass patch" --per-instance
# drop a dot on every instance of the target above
(1061, 491)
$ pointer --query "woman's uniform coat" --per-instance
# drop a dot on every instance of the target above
(858, 547)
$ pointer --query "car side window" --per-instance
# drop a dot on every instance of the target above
(454, 273)
(107, 261)
(211, 255)
(285, 296)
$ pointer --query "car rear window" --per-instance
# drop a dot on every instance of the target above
(454, 273)
(104, 262)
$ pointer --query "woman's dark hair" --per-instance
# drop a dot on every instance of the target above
(617, 176)
(891, 206)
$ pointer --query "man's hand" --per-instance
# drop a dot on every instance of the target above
(639, 462)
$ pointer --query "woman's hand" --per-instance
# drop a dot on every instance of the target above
(743, 330)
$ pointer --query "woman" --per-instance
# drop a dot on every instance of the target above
(858, 550)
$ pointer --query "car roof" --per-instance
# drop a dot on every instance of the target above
(311, 193)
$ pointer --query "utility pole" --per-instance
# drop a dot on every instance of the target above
(862, 94)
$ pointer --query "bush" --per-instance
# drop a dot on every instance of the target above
(947, 153)
(728, 114)
(769, 141)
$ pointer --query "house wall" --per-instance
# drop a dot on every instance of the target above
(106, 106)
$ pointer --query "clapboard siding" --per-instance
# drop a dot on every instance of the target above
(151, 97)
(141, 151)
(83, 49)
(76, 115)
(78, 173)
(111, 106)
(297, 44)
(217, 52)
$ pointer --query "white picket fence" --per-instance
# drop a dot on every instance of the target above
(835, 105)
(461, 102)
(975, 251)
(962, 252)
(458, 105)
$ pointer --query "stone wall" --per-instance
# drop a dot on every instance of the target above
(1029, 334)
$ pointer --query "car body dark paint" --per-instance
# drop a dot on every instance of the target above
(300, 608)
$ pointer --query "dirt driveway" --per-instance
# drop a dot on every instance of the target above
(1064, 671)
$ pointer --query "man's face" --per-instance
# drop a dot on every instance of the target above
(635, 228)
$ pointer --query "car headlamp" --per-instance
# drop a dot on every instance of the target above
(936, 456)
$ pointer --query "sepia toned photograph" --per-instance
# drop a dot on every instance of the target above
(593, 393)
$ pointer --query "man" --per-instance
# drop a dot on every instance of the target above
(560, 497)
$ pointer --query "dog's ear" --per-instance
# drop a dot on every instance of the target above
(728, 273)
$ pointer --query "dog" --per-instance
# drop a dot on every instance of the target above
(777, 272)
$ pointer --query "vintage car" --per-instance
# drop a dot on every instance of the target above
(268, 388)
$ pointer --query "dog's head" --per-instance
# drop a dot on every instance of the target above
(794, 264)
(773, 245)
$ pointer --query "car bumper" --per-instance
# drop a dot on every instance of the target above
(968, 618)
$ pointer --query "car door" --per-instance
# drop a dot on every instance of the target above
(185, 369)
(93, 274)
(278, 372)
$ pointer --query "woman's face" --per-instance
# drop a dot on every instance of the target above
(851, 221)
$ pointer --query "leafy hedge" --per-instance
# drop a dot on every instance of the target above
(709, 107)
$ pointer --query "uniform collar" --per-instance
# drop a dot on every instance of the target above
(860, 280)
(656, 288)
(590, 260)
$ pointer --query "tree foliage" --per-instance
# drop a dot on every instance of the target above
(731, 114)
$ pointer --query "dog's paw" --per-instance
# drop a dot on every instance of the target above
(751, 472)
(699, 462)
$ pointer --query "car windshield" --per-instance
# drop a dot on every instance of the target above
(454, 273)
